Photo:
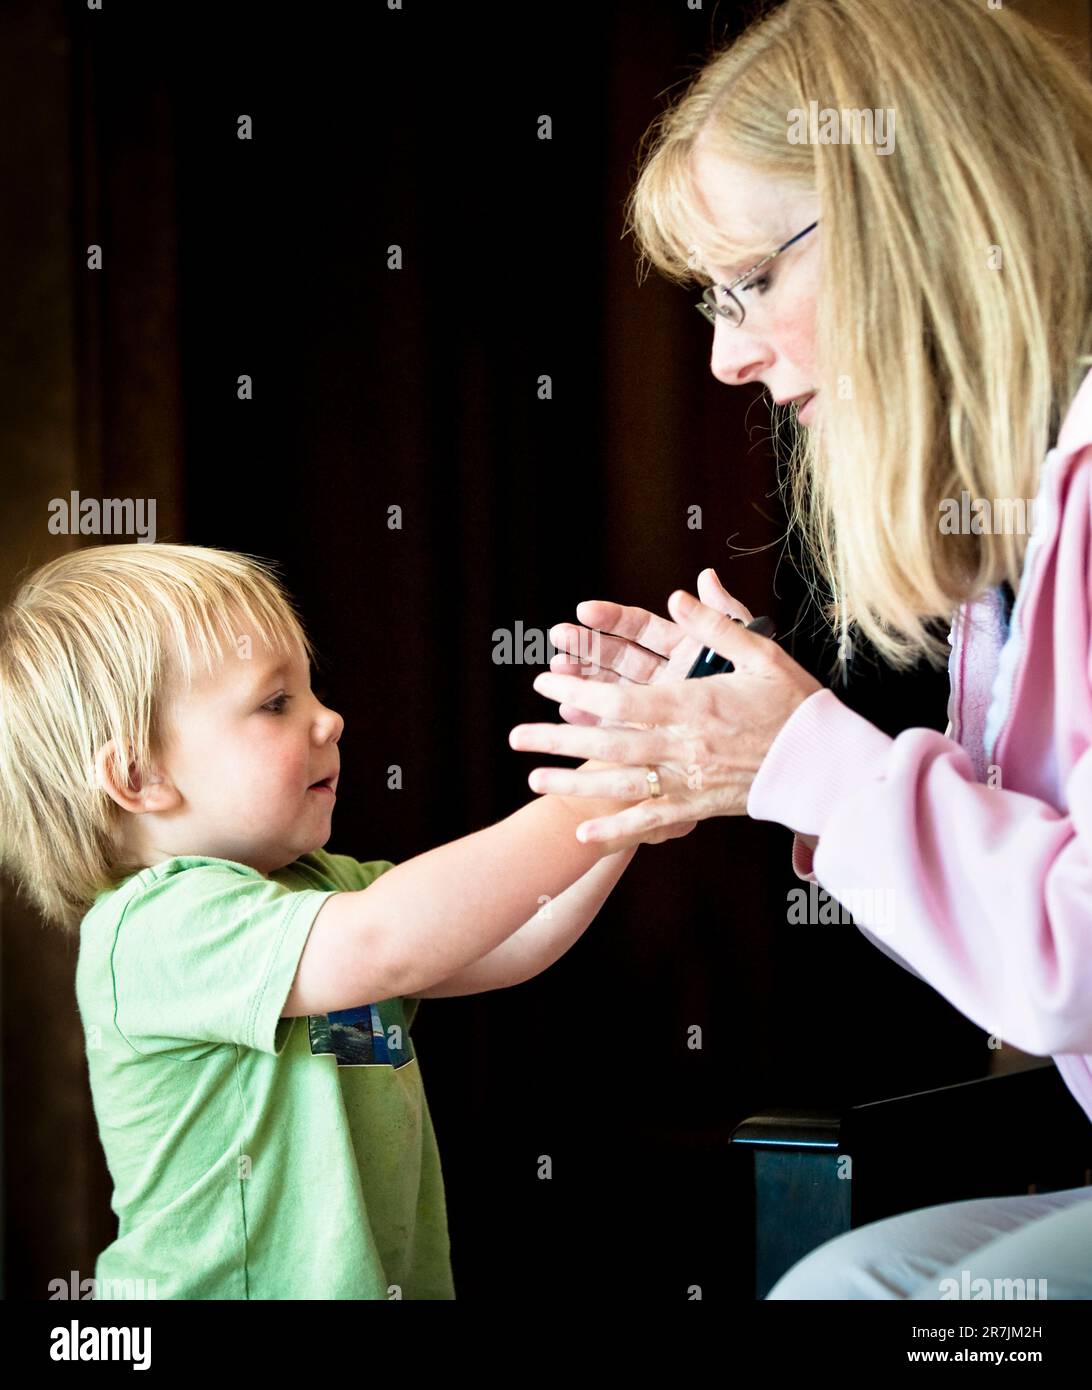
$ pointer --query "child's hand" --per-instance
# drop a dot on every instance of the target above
(632, 645)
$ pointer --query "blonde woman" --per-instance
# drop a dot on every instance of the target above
(931, 292)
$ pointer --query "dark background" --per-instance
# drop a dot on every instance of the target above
(418, 388)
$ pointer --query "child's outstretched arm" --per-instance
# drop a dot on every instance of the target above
(433, 915)
(558, 923)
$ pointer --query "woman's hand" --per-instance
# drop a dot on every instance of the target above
(632, 645)
(655, 835)
(706, 738)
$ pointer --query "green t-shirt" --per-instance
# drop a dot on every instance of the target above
(252, 1156)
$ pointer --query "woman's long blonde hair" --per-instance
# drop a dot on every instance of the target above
(955, 297)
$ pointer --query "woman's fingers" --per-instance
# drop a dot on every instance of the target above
(630, 644)
(603, 656)
(607, 743)
(651, 837)
(713, 593)
(669, 832)
(649, 822)
(563, 665)
(616, 783)
(572, 715)
(638, 625)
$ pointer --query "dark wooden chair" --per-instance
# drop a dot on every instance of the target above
(818, 1173)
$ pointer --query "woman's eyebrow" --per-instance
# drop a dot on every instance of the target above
(729, 273)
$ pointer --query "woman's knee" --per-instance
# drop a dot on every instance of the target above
(850, 1265)
(901, 1256)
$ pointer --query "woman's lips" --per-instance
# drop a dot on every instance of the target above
(805, 411)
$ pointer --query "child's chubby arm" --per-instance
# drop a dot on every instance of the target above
(429, 918)
(556, 925)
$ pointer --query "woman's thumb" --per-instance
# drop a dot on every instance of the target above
(714, 595)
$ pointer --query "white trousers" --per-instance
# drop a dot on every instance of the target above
(939, 1252)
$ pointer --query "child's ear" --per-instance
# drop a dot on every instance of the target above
(136, 794)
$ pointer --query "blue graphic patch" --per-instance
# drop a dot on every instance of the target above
(370, 1035)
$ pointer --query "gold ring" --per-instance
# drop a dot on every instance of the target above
(652, 777)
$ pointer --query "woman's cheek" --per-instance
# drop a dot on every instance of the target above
(796, 337)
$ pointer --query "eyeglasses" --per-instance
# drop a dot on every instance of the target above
(733, 310)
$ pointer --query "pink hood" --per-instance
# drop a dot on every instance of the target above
(967, 856)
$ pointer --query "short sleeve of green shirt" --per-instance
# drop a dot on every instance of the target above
(205, 950)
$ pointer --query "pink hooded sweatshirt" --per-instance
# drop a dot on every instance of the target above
(967, 856)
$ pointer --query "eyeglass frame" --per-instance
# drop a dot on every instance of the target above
(709, 307)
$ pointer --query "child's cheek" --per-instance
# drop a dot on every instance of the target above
(292, 766)
(276, 759)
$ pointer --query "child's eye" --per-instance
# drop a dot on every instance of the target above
(280, 701)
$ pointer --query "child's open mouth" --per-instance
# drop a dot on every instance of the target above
(326, 785)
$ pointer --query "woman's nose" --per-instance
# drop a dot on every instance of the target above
(738, 356)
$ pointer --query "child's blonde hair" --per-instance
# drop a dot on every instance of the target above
(955, 291)
(96, 645)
